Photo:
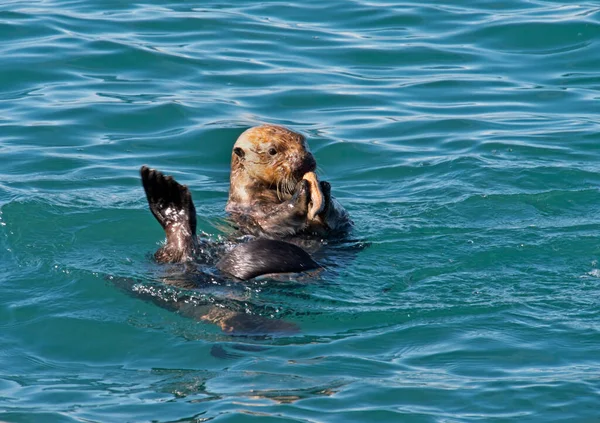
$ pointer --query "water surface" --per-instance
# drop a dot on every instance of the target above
(461, 136)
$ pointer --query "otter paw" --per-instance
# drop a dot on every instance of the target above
(301, 198)
(326, 191)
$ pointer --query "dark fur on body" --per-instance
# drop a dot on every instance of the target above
(251, 259)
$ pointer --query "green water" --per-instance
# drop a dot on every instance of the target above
(462, 137)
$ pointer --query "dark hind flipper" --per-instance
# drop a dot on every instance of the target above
(168, 199)
(171, 204)
(264, 256)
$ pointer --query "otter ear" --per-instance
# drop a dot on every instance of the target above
(239, 152)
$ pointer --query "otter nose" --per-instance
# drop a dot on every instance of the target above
(306, 164)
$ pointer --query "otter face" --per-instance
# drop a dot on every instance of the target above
(273, 156)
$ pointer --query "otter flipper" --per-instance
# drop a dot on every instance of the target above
(171, 204)
(265, 256)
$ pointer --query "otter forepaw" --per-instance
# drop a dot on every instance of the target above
(301, 198)
(326, 191)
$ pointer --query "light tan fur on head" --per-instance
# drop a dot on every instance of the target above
(268, 157)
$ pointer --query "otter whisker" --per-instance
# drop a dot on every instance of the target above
(284, 185)
(281, 188)
(290, 184)
(279, 194)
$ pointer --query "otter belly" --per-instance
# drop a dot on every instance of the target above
(265, 256)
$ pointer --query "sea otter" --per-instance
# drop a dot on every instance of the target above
(273, 194)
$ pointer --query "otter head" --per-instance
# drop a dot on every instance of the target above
(271, 157)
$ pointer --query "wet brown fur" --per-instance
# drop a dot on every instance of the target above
(267, 193)
(260, 177)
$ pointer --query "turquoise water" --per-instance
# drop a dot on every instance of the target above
(463, 137)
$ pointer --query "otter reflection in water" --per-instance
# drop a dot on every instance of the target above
(274, 196)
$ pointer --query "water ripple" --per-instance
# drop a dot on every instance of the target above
(462, 138)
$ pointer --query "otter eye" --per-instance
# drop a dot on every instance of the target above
(239, 152)
(272, 151)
